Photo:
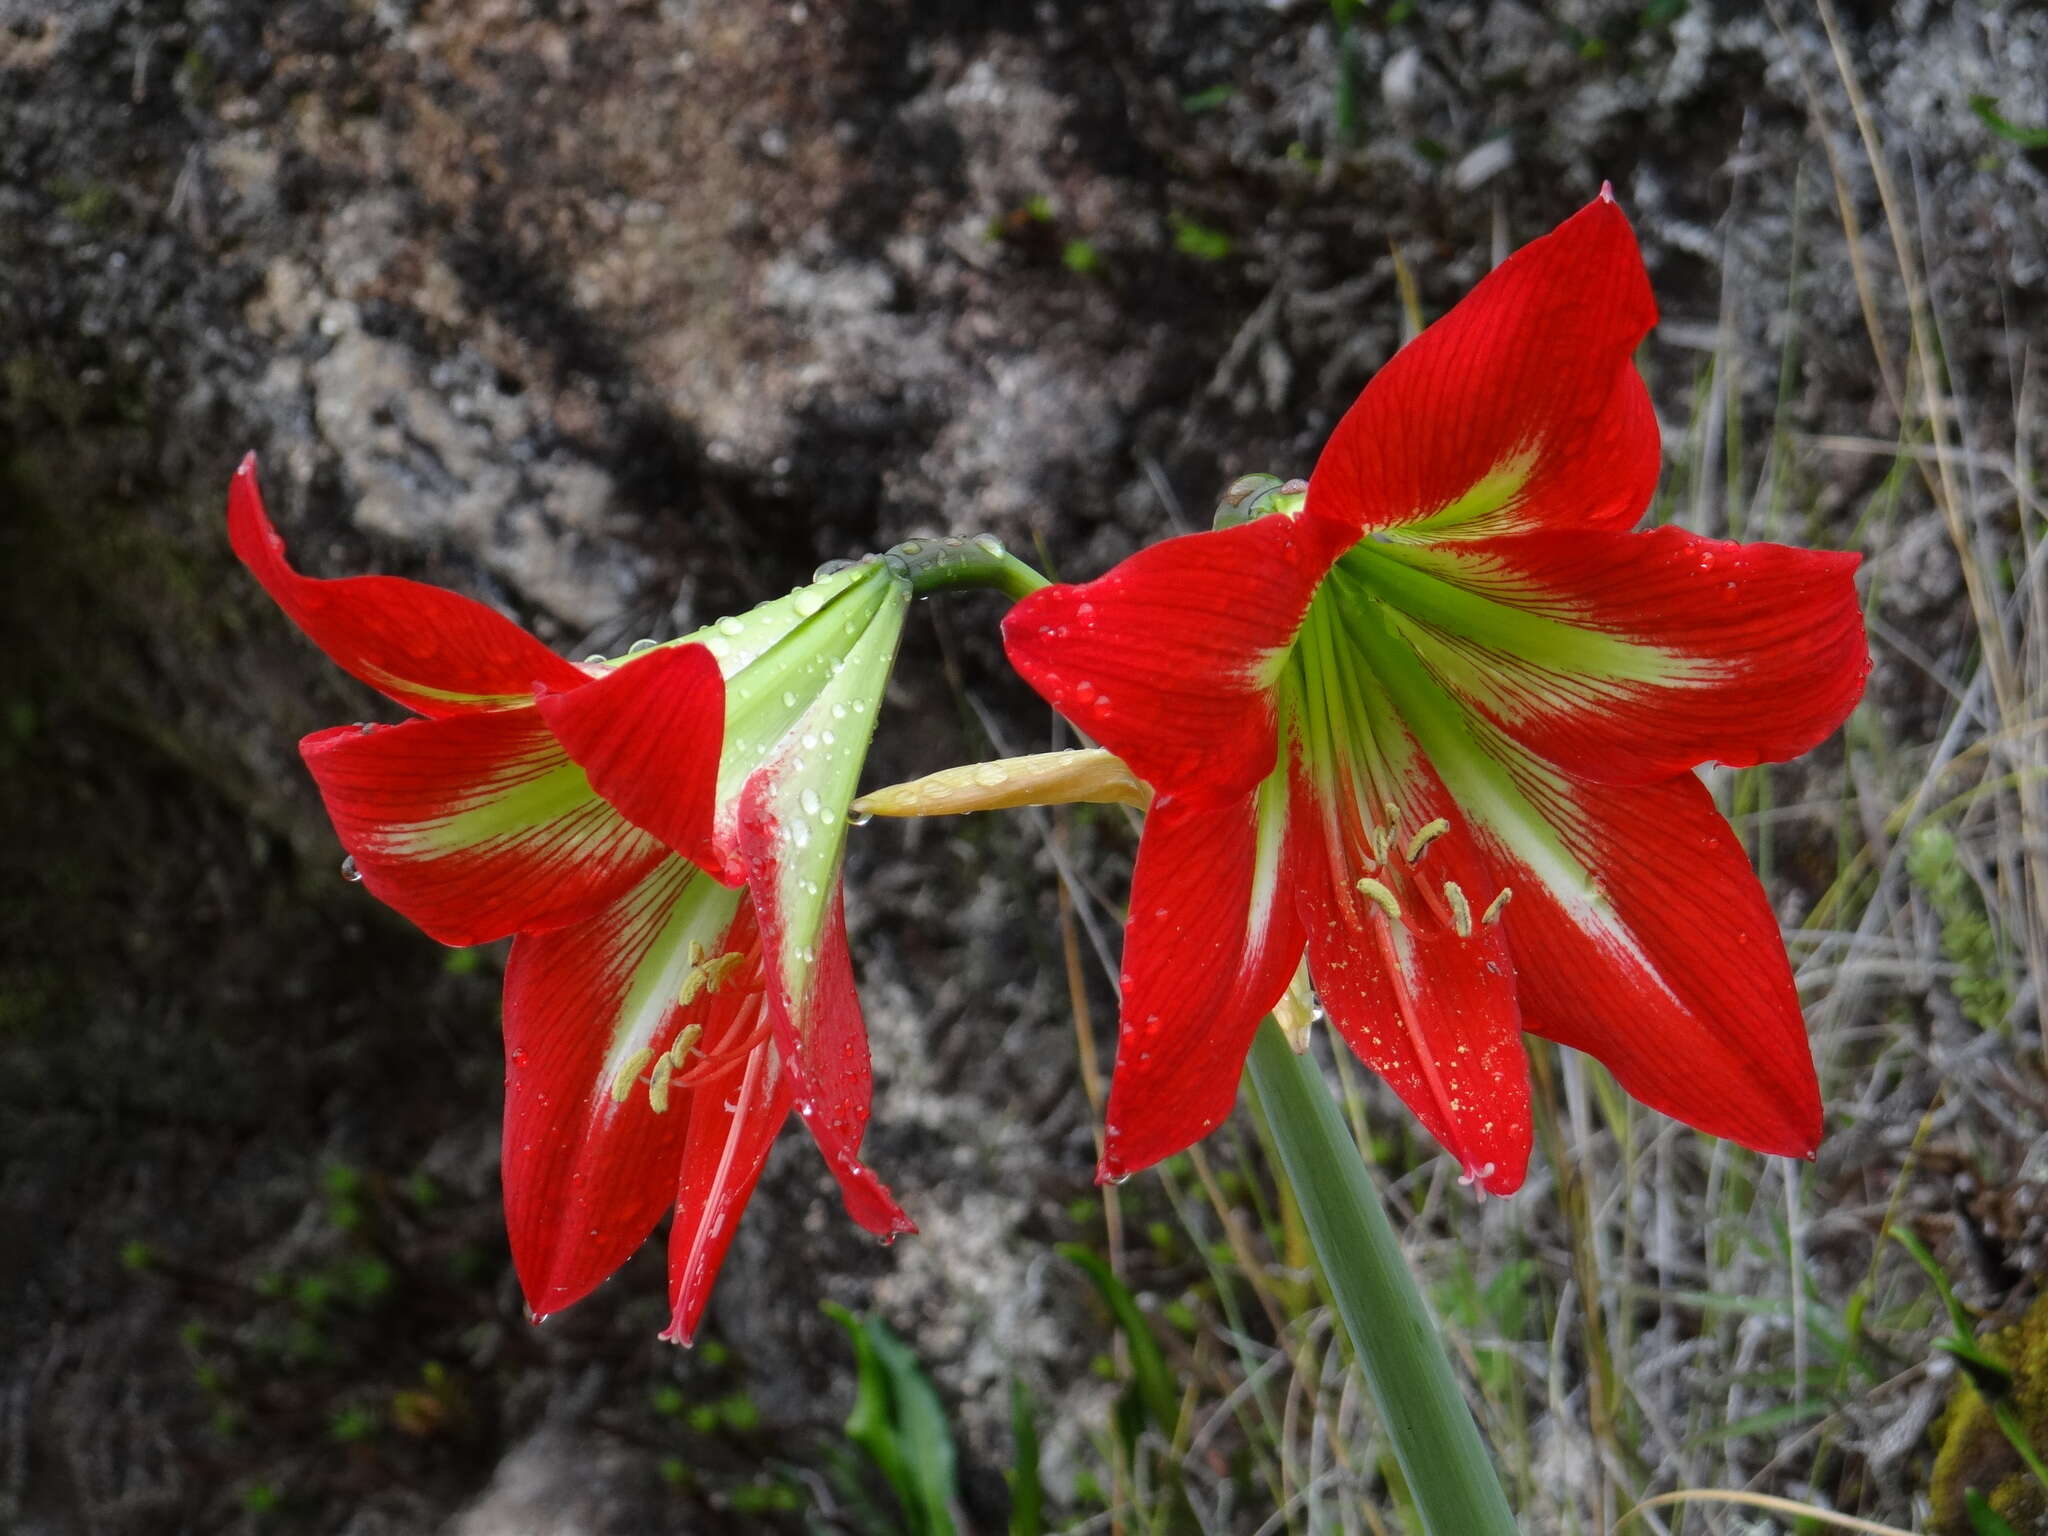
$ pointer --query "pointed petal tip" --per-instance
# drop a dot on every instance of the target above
(682, 1335)
(1607, 193)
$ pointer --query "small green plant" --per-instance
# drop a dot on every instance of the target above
(1193, 238)
(1981, 986)
(898, 1421)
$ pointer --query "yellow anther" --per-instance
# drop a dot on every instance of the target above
(622, 1085)
(1493, 907)
(1380, 897)
(708, 975)
(1461, 909)
(679, 1048)
(1429, 832)
(657, 1085)
(1393, 813)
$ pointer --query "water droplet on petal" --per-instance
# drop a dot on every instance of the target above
(349, 870)
(730, 626)
(809, 801)
(638, 646)
(988, 543)
(859, 818)
(788, 699)
(595, 661)
(808, 602)
(989, 776)
(831, 568)
(366, 728)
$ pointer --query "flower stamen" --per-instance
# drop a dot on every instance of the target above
(622, 1083)
(1497, 905)
(1428, 833)
(1461, 909)
(1380, 895)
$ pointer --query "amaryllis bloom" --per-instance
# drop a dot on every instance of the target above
(663, 831)
(1433, 722)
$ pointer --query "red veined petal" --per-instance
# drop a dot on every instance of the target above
(1671, 972)
(432, 650)
(1410, 970)
(1212, 942)
(475, 826)
(590, 1011)
(1169, 660)
(1520, 408)
(648, 733)
(815, 1013)
(731, 1131)
(1627, 657)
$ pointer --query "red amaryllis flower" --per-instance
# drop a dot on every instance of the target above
(663, 831)
(1433, 720)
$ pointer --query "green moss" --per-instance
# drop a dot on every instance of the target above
(1975, 1453)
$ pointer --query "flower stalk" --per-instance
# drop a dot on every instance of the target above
(1396, 1341)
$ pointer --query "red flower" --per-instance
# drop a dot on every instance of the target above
(663, 832)
(1435, 725)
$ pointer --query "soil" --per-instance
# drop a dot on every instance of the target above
(621, 315)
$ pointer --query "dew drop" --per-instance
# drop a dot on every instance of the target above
(831, 568)
(988, 776)
(368, 727)
(349, 870)
(718, 648)
(898, 566)
(808, 603)
(859, 818)
(788, 699)
(810, 740)
(1083, 692)
(809, 801)
(988, 543)
(1085, 611)
(730, 626)
(910, 547)
(1115, 1180)
(800, 833)
(638, 646)
(595, 661)
(838, 711)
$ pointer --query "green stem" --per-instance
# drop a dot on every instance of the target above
(1397, 1342)
(954, 564)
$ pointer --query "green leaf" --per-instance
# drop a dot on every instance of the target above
(1027, 1494)
(1984, 1520)
(1958, 1318)
(1209, 100)
(1196, 239)
(898, 1420)
(1156, 1393)
(1986, 108)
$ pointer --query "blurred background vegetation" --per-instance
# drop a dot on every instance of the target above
(621, 314)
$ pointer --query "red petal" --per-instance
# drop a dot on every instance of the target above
(432, 650)
(1676, 978)
(1429, 1008)
(731, 1131)
(475, 826)
(1169, 660)
(648, 733)
(587, 1174)
(1212, 941)
(1520, 408)
(1628, 657)
(818, 1025)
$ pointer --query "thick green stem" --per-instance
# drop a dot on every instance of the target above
(1397, 1342)
(950, 564)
